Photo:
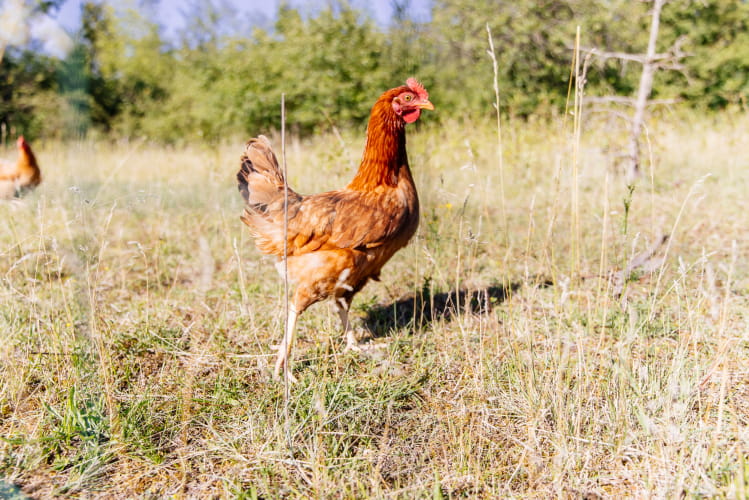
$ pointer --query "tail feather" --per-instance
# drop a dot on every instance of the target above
(260, 180)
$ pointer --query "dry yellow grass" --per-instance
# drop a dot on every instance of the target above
(136, 318)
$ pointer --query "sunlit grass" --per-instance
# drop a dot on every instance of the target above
(136, 319)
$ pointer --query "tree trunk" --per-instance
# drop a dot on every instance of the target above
(643, 92)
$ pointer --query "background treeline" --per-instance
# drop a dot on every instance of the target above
(222, 77)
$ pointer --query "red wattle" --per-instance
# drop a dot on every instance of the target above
(412, 115)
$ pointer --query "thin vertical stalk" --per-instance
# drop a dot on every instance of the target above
(287, 423)
(285, 230)
(500, 156)
(575, 208)
(600, 295)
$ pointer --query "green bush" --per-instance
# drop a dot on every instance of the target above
(124, 79)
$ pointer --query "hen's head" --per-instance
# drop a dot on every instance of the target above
(21, 143)
(410, 99)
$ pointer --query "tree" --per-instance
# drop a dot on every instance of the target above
(27, 34)
(651, 62)
(128, 64)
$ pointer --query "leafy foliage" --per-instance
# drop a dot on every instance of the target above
(224, 77)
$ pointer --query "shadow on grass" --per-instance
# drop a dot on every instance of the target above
(423, 308)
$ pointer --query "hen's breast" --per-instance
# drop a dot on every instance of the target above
(7, 190)
(403, 208)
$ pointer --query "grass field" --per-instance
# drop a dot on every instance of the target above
(548, 333)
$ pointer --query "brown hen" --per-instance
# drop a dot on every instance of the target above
(338, 240)
(20, 176)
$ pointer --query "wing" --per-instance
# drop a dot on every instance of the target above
(336, 219)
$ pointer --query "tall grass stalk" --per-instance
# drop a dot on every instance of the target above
(575, 194)
(500, 155)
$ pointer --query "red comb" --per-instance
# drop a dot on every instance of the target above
(417, 88)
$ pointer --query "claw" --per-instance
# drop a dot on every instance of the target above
(353, 346)
(351, 343)
(277, 374)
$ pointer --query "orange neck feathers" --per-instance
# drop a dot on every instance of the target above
(385, 151)
(27, 156)
(27, 161)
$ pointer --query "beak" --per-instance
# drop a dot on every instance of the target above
(425, 104)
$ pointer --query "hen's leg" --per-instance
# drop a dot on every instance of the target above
(342, 305)
(284, 350)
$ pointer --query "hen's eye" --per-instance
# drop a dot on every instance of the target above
(408, 97)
